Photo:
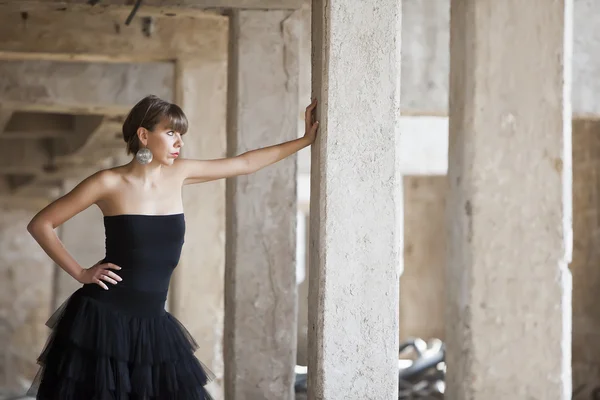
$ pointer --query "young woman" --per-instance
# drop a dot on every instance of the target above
(112, 339)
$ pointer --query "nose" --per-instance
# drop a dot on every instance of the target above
(179, 142)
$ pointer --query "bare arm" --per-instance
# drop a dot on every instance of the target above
(196, 171)
(42, 226)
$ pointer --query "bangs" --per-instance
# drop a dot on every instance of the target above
(175, 119)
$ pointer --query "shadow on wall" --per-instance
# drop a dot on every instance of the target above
(422, 285)
(586, 259)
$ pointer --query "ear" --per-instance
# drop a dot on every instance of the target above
(142, 134)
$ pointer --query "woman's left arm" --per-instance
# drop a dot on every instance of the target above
(196, 171)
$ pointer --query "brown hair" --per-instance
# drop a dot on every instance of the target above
(149, 112)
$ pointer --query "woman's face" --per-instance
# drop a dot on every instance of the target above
(163, 142)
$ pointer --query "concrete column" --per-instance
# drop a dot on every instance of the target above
(586, 257)
(260, 283)
(197, 286)
(509, 204)
(356, 199)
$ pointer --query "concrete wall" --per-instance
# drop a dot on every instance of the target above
(586, 255)
(426, 57)
(422, 285)
(25, 298)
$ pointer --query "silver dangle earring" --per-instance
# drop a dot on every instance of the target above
(143, 156)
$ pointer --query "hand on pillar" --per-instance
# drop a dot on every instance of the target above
(310, 125)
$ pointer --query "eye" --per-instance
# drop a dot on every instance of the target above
(170, 133)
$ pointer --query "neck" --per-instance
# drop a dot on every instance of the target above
(148, 173)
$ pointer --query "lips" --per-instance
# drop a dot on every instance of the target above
(175, 154)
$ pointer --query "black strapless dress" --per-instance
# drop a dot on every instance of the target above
(121, 344)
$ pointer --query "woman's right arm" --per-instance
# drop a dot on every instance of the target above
(42, 226)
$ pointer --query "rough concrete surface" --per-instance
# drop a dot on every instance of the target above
(510, 232)
(170, 7)
(25, 299)
(102, 36)
(425, 57)
(260, 296)
(423, 283)
(197, 295)
(355, 218)
(88, 87)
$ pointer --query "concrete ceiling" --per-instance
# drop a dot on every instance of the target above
(69, 74)
(61, 120)
(163, 7)
(70, 71)
(39, 150)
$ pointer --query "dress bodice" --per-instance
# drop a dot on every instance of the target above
(146, 247)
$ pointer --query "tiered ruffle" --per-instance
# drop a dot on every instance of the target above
(98, 353)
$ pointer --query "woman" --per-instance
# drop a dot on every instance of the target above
(113, 339)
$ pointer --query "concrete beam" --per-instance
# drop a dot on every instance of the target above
(24, 156)
(5, 116)
(162, 6)
(25, 202)
(43, 134)
(82, 87)
(49, 190)
(104, 38)
(39, 121)
(97, 140)
(94, 144)
(28, 125)
(46, 186)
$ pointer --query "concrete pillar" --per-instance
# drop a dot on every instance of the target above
(196, 296)
(260, 283)
(509, 204)
(586, 257)
(356, 200)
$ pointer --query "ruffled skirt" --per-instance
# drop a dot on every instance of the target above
(118, 346)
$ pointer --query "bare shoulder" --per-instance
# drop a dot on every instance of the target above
(91, 190)
(104, 180)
